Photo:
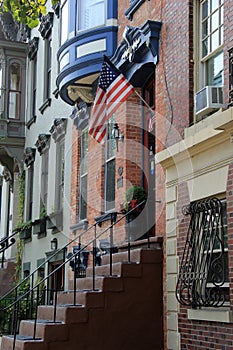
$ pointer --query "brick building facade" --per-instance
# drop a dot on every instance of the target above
(198, 168)
(190, 153)
(176, 142)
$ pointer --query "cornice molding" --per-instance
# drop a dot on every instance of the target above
(33, 48)
(200, 137)
(58, 128)
(138, 48)
(42, 143)
(46, 25)
(29, 156)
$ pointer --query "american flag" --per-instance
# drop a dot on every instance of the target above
(113, 89)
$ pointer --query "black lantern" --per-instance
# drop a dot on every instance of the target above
(54, 244)
(117, 134)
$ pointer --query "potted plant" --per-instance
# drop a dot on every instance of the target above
(25, 229)
(135, 197)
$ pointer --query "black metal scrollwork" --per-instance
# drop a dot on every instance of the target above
(6, 243)
(202, 271)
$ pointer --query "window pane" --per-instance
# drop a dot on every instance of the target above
(15, 76)
(215, 70)
(92, 14)
(205, 9)
(110, 185)
(30, 191)
(49, 62)
(83, 175)
(215, 21)
(84, 152)
(204, 28)
(214, 5)
(205, 48)
(14, 102)
(60, 174)
(214, 40)
(111, 143)
(83, 198)
(221, 15)
(64, 22)
(44, 179)
(34, 83)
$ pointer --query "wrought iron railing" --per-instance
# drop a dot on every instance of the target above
(202, 266)
(29, 293)
(5, 244)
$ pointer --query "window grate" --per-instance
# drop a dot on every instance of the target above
(203, 265)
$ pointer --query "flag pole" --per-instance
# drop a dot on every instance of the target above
(142, 99)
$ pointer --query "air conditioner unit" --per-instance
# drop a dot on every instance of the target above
(208, 99)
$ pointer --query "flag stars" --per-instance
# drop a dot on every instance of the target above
(107, 77)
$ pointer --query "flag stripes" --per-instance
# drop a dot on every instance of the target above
(113, 89)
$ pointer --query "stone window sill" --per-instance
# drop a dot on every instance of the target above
(46, 104)
(223, 314)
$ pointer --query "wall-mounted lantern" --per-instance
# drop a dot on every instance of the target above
(53, 244)
(117, 134)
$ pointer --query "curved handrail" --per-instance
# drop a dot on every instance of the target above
(74, 255)
(33, 293)
(4, 243)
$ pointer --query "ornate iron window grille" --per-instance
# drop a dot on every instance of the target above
(202, 267)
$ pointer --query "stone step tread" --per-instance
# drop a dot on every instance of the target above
(136, 255)
(45, 329)
(104, 270)
(22, 343)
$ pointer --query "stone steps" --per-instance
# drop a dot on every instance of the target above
(124, 313)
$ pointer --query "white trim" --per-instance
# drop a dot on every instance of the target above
(91, 47)
(212, 315)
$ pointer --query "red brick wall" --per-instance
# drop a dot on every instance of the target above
(229, 198)
(74, 175)
(228, 43)
(203, 334)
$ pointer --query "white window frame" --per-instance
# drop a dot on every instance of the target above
(64, 27)
(14, 94)
(211, 52)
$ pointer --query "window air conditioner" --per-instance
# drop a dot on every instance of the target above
(208, 99)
